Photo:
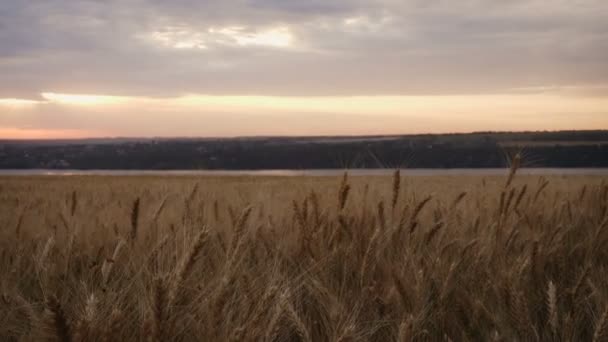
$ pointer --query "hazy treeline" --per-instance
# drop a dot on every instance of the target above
(478, 150)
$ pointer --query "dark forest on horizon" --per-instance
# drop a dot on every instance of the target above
(473, 150)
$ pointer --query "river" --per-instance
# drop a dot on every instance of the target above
(319, 172)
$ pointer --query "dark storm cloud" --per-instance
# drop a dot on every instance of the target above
(338, 47)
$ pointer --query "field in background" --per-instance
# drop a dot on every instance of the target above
(551, 143)
(87, 258)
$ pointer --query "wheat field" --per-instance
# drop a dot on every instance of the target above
(442, 258)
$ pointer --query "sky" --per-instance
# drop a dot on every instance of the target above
(152, 68)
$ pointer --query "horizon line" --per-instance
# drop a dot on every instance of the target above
(337, 136)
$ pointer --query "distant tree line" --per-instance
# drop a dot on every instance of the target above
(477, 150)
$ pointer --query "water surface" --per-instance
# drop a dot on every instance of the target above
(318, 172)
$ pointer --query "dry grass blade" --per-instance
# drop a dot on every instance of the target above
(44, 254)
(458, 199)
(552, 306)
(381, 216)
(134, 220)
(159, 210)
(19, 223)
(369, 255)
(187, 264)
(396, 188)
(601, 327)
(405, 330)
(347, 334)
(416, 212)
(56, 323)
(520, 196)
(159, 310)
(432, 233)
(239, 228)
(111, 330)
(273, 326)
(300, 328)
(108, 265)
(343, 192)
(515, 164)
(74, 203)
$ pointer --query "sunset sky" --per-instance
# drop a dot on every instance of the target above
(141, 68)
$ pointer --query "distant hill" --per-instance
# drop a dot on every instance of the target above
(473, 150)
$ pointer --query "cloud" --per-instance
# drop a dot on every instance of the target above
(161, 48)
(216, 37)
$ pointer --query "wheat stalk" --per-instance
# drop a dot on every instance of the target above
(601, 327)
(552, 306)
(74, 203)
(515, 164)
(396, 188)
(134, 220)
(159, 311)
(56, 322)
(108, 265)
(343, 192)
(185, 267)
(298, 324)
(159, 210)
